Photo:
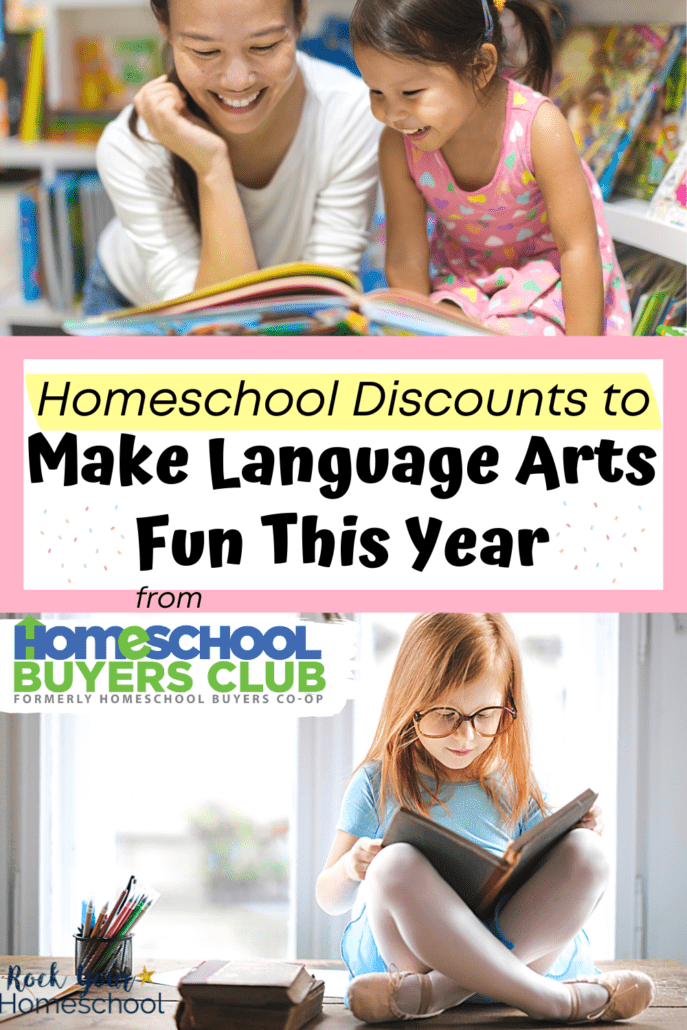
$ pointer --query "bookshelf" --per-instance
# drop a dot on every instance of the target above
(68, 19)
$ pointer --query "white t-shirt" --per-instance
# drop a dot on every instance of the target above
(317, 207)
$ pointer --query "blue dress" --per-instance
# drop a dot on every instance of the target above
(469, 812)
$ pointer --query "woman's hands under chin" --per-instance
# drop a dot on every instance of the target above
(162, 106)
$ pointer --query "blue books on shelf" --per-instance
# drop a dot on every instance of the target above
(28, 245)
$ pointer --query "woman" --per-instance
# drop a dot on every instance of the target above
(248, 154)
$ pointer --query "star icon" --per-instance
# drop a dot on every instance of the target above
(144, 976)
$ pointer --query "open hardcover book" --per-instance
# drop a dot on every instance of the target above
(478, 876)
(288, 300)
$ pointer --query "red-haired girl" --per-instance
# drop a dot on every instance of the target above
(452, 743)
(521, 242)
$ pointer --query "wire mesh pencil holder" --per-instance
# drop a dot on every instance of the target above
(108, 957)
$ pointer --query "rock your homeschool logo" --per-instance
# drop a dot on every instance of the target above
(303, 667)
(51, 993)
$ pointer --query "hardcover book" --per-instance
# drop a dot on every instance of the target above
(251, 982)
(200, 1015)
(287, 300)
(477, 875)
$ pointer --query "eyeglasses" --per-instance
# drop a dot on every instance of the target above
(442, 722)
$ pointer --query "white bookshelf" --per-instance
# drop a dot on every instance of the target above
(68, 19)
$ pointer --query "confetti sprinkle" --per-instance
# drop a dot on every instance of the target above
(639, 506)
(105, 567)
(641, 531)
(607, 536)
(621, 565)
(86, 509)
(42, 533)
(624, 534)
(84, 564)
(595, 504)
(111, 528)
(59, 537)
(635, 548)
(591, 527)
(116, 506)
(614, 581)
(597, 565)
(119, 552)
(561, 550)
(44, 510)
(584, 548)
(565, 504)
(568, 525)
(616, 518)
(67, 521)
(575, 568)
(90, 530)
(558, 534)
(49, 550)
(75, 539)
(69, 580)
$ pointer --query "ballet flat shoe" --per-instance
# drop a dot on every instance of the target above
(371, 997)
(629, 994)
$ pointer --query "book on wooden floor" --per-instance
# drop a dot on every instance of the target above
(269, 984)
(477, 875)
(192, 1014)
(287, 300)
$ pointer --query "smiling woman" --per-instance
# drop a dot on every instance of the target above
(246, 154)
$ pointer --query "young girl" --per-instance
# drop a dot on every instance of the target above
(452, 743)
(247, 154)
(520, 241)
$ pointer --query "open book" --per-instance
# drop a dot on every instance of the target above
(478, 876)
(287, 300)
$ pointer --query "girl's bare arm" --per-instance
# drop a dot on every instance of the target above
(407, 250)
(346, 865)
(570, 212)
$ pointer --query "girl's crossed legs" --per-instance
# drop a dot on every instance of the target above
(419, 923)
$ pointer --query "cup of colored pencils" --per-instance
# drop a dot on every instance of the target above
(103, 945)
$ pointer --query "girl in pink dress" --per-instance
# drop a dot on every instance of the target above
(520, 243)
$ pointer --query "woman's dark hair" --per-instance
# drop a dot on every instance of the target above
(452, 32)
(184, 182)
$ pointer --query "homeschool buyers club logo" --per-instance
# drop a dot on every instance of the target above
(79, 664)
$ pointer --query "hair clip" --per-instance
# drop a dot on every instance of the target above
(489, 25)
(499, 5)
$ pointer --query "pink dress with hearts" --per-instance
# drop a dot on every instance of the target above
(492, 251)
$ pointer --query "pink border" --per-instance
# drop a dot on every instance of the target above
(673, 353)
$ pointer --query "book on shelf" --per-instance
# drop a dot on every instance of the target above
(192, 1014)
(480, 877)
(29, 259)
(659, 140)
(656, 290)
(669, 203)
(295, 299)
(60, 221)
(270, 984)
(606, 80)
(110, 70)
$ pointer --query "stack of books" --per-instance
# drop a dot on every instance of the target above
(248, 995)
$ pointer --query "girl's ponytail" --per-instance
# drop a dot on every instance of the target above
(537, 70)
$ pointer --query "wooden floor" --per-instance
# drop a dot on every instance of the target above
(668, 1012)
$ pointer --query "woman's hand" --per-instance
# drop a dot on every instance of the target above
(162, 106)
(357, 860)
(593, 820)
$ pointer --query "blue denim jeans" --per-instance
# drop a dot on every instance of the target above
(99, 294)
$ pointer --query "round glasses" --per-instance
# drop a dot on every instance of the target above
(442, 722)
